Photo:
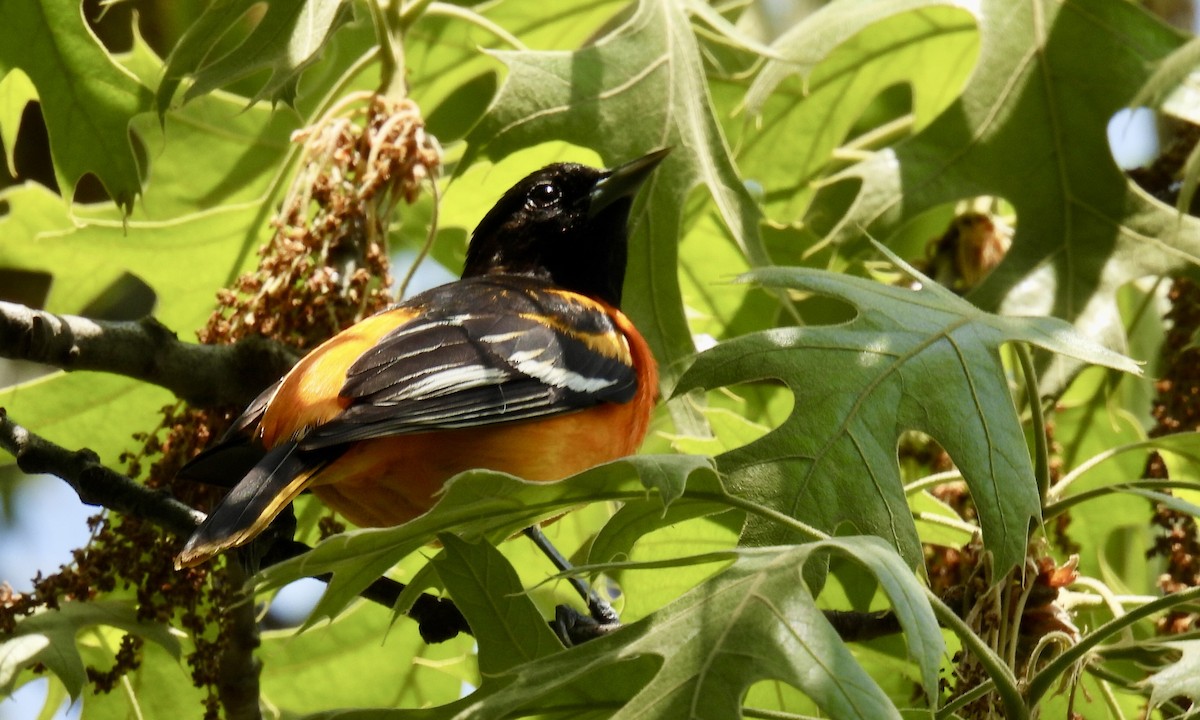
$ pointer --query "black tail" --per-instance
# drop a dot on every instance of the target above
(265, 490)
(225, 463)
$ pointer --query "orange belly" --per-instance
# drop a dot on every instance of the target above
(388, 481)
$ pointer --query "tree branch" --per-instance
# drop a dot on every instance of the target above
(94, 483)
(240, 669)
(438, 619)
(203, 375)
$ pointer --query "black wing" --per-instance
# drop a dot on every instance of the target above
(498, 350)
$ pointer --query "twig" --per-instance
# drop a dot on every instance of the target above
(203, 375)
(853, 626)
(94, 483)
(438, 618)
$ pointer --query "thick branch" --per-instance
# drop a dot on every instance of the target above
(240, 669)
(203, 375)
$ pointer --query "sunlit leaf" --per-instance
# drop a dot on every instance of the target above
(486, 504)
(87, 99)
(48, 638)
(288, 37)
(698, 656)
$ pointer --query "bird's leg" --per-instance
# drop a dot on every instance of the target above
(599, 608)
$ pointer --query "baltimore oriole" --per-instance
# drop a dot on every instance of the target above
(526, 365)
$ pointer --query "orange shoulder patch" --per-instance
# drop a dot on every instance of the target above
(309, 394)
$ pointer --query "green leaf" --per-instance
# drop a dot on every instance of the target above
(245, 151)
(361, 660)
(1179, 679)
(698, 656)
(911, 360)
(838, 62)
(508, 627)
(288, 38)
(457, 81)
(483, 504)
(635, 519)
(102, 411)
(1083, 228)
(16, 89)
(48, 637)
(638, 88)
(87, 99)
(204, 218)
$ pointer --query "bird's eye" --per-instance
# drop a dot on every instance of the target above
(544, 194)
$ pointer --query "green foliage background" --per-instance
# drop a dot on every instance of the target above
(793, 148)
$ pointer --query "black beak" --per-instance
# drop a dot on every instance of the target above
(623, 181)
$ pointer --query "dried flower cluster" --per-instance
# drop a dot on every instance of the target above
(325, 268)
(1176, 410)
(1019, 617)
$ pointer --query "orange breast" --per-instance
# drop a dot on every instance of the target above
(388, 481)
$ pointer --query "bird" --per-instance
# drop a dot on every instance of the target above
(525, 365)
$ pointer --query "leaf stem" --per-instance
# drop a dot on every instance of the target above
(460, 13)
(1057, 507)
(1043, 681)
(1108, 597)
(886, 134)
(1098, 458)
(407, 16)
(1001, 676)
(402, 289)
(1041, 453)
(391, 52)
(947, 522)
(932, 481)
(970, 696)
(1110, 699)
(773, 714)
(767, 513)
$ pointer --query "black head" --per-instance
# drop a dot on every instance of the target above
(565, 223)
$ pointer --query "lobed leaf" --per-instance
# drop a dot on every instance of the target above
(698, 656)
(910, 360)
(837, 62)
(87, 99)
(483, 504)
